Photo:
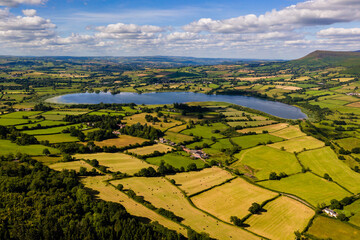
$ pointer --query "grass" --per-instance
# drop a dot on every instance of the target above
(11, 121)
(348, 143)
(178, 128)
(269, 128)
(52, 130)
(329, 228)
(66, 112)
(107, 192)
(20, 114)
(298, 144)
(151, 149)
(74, 165)
(253, 140)
(176, 160)
(250, 123)
(47, 160)
(311, 188)
(231, 199)
(116, 162)
(222, 144)
(177, 137)
(140, 118)
(324, 160)
(282, 218)
(194, 182)
(121, 141)
(289, 132)
(261, 161)
(163, 194)
(57, 138)
(206, 131)
(46, 123)
(7, 147)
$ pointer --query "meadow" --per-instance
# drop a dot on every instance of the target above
(57, 138)
(176, 160)
(177, 137)
(162, 148)
(7, 147)
(73, 165)
(206, 131)
(348, 143)
(253, 140)
(289, 132)
(49, 131)
(298, 144)
(270, 128)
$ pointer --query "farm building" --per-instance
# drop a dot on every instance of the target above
(330, 212)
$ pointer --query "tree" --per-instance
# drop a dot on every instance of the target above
(273, 176)
(255, 208)
(327, 177)
(342, 217)
(46, 152)
(236, 221)
(335, 204)
(192, 167)
(83, 171)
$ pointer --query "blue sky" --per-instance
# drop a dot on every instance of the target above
(280, 29)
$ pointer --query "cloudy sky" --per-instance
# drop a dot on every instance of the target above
(262, 29)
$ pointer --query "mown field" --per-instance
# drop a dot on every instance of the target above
(194, 182)
(176, 160)
(151, 149)
(270, 128)
(57, 138)
(121, 141)
(349, 143)
(253, 140)
(231, 199)
(289, 132)
(283, 216)
(73, 165)
(298, 144)
(177, 137)
(261, 161)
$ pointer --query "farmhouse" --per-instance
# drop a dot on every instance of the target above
(196, 153)
(330, 212)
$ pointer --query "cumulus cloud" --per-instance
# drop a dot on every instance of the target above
(15, 3)
(339, 33)
(128, 31)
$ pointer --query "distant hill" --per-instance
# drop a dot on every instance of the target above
(318, 59)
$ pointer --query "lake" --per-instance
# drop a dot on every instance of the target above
(274, 108)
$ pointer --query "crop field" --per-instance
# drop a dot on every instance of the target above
(253, 140)
(270, 128)
(194, 182)
(176, 160)
(109, 193)
(206, 131)
(328, 228)
(289, 132)
(263, 160)
(349, 143)
(121, 141)
(283, 216)
(73, 165)
(324, 160)
(163, 194)
(57, 138)
(232, 199)
(117, 162)
(52, 130)
(311, 188)
(7, 147)
(20, 114)
(151, 149)
(298, 144)
(177, 137)
(12, 121)
(251, 123)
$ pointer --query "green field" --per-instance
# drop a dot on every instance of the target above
(117, 162)
(231, 199)
(193, 182)
(313, 189)
(163, 194)
(7, 147)
(324, 160)
(298, 144)
(250, 123)
(176, 160)
(20, 114)
(253, 140)
(46, 123)
(261, 161)
(269, 128)
(206, 131)
(177, 137)
(329, 228)
(348, 143)
(289, 132)
(74, 165)
(282, 218)
(222, 144)
(13, 121)
(151, 149)
(57, 138)
(52, 130)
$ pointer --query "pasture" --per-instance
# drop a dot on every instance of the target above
(251, 123)
(178, 129)
(206, 131)
(177, 137)
(289, 132)
(46, 123)
(57, 138)
(20, 114)
(261, 161)
(324, 160)
(121, 141)
(311, 188)
(328, 228)
(253, 140)
(13, 121)
(7, 147)
(151, 149)
(52, 130)
(349, 143)
(73, 165)
(270, 128)
(194, 182)
(117, 162)
(231, 199)
(282, 218)
(47, 160)
(107, 192)
(176, 160)
(162, 193)
(140, 118)
(298, 144)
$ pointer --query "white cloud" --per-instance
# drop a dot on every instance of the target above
(339, 33)
(29, 12)
(15, 3)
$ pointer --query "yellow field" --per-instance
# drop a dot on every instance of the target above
(289, 132)
(117, 162)
(282, 218)
(140, 118)
(47, 160)
(355, 104)
(231, 199)
(109, 193)
(74, 165)
(150, 149)
(298, 144)
(178, 128)
(163, 194)
(121, 141)
(194, 182)
(269, 128)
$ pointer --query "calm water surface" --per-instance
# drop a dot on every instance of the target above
(274, 108)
